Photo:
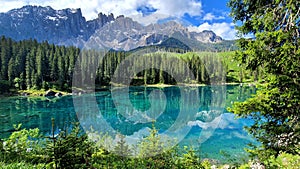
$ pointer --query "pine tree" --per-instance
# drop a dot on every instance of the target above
(10, 73)
(275, 108)
(122, 149)
(61, 72)
(5, 56)
(30, 69)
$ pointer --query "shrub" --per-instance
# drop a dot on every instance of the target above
(284, 160)
(71, 150)
(22, 145)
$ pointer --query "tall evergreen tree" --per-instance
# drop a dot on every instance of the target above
(5, 56)
(11, 73)
(275, 109)
(30, 69)
(61, 70)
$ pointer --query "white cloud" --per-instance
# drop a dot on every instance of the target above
(224, 29)
(90, 8)
(7, 5)
(177, 7)
(145, 20)
(210, 17)
(165, 9)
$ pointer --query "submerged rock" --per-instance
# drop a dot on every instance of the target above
(58, 94)
(50, 93)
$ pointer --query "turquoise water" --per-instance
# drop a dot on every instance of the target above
(195, 116)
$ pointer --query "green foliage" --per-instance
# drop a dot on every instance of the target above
(148, 154)
(32, 65)
(276, 131)
(27, 64)
(154, 153)
(71, 150)
(22, 145)
(66, 150)
(284, 160)
(74, 150)
(21, 165)
(17, 82)
(151, 145)
(244, 166)
(122, 149)
(190, 159)
(275, 48)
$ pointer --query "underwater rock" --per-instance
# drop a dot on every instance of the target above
(58, 94)
(50, 93)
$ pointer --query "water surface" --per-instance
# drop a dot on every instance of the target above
(196, 115)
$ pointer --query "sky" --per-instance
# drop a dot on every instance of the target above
(197, 15)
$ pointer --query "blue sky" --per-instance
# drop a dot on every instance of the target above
(197, 15)
(213, 11)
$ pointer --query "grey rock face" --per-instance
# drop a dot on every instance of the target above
(62, 27)
(69, 27)
(126, 34)
(206, 36)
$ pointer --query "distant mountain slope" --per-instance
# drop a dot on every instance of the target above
(126, 34)
(69, 27)
(65, 27)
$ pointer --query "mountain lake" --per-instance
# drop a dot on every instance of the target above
(195, 116)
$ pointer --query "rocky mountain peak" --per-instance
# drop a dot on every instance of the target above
(62, 27)
(69, 27)
(207, 36)
(126, 34)
(125, 24)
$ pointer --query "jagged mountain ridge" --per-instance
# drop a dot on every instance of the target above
(61, 27)
(69, 27)
(126, 34)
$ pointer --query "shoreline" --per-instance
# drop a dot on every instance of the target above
(43, 92)
(194, 84)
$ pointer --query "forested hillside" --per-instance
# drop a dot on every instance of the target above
(28, 64)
